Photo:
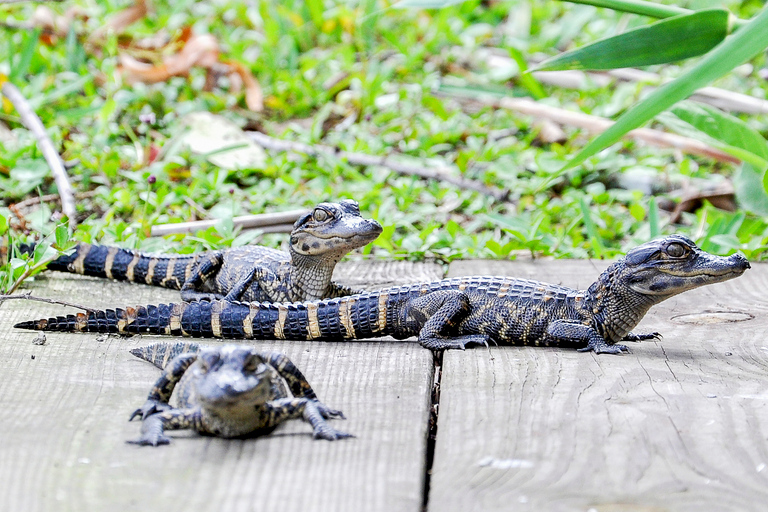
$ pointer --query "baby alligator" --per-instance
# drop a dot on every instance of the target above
(451, 313)
(250, 273)
(227, 391)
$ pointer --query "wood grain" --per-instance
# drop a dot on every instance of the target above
(679, 425)
(66, 406)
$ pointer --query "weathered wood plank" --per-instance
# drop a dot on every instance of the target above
(370, 275)
(64, 424)
(680, 424)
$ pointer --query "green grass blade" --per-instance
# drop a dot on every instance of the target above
(589, 223)
(750, 40)
(668, 40)
(653, 218)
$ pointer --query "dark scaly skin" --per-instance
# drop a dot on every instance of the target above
(251, 273)
(227, 391)
(452, 313)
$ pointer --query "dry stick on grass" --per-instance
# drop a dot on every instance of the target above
(44, 142)
(28, 296)
(598, 124)
(444, 174)
(280, 222)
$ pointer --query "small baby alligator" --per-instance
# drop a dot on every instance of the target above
(227, 391)
(250, 273)
(451, 313)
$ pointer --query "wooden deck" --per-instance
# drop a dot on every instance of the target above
(680, 424)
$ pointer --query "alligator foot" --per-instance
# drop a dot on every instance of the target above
(152, 433)
(457, 342)
(599, 346)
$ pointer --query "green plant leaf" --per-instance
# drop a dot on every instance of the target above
(724, 128)
(750, 40)
(668, 40)
(749, 184)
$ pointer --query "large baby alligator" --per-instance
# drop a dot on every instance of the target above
(451, 313)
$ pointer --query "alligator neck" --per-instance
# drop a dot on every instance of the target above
(616, 307)
(311, 275)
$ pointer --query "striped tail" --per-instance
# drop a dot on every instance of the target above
(166, 270)
(160, 354)
(353, 317)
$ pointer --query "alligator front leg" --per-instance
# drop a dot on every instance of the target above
(439, 314)
(312, 411)
(567, 331)
(161, 392)
(208, 266)
(153, 427)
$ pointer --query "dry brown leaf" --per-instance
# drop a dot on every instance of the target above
(55, 25)
(121, 20)
(202, 50)
(254, 98)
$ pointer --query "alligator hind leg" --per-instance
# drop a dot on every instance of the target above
(208, 266)
(440, 314)
(153, 428)
(158, 397)
(565, 331)
(313, 412)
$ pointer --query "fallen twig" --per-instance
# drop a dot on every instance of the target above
(28, 296)
(280, 222)
(442, 173)
(44, 142)
(598, 124)
(576, 79)
(32, 201)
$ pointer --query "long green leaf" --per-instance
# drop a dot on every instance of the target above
(669, 40)
(750, 40)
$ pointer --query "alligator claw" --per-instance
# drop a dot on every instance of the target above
(330, 434)
(149, 408)
(327, 412)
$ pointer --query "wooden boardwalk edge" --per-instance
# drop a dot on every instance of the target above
(679, 425)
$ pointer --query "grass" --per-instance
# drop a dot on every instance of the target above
(378, 69)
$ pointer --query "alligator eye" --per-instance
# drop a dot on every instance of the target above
(320, 215)
(676, 250)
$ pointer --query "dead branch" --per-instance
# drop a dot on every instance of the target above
(442, 173)
(32, 201)
(28, 296)
(596, 124)
(44, 142)
(280, 222)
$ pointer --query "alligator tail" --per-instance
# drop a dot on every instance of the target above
(342, 319)
(160, 354)
(168, 271)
